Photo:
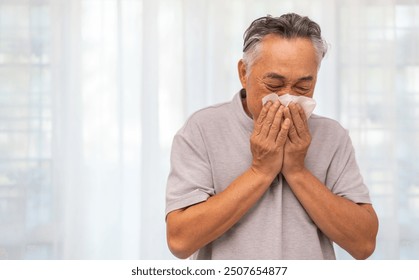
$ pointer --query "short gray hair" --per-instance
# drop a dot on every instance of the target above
(287, 26)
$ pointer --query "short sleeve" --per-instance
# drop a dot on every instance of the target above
(190, 178)
(344, 175)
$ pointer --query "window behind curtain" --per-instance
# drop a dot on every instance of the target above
(379, 100)
(26, 193)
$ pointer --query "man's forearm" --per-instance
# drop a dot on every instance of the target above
(192, 228)
(353, 227)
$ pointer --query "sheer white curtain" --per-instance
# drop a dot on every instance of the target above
(378, 95)
(98, 132)
(92, 92)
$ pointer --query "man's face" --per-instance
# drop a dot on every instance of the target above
(282, 66)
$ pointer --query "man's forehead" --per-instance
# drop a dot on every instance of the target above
(275, 49)
(275, 40)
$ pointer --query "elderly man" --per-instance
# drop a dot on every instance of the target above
(261, 181)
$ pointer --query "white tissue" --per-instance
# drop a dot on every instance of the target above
(308, 104)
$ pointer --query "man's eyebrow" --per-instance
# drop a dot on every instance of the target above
(307, 78)
(274, 76)
(280, 77)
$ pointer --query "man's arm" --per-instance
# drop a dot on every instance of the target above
(352, 226)
(192, 228)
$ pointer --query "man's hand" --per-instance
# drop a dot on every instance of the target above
(298, 140)
(268, 140)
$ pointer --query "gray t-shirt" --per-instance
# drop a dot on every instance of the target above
(213, 148)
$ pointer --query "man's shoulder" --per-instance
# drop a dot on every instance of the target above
(214, 111)
(211, 116)
(326, 126)
(211, 126)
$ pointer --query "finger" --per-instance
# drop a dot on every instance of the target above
(261, 118)
(302, 113)
(306, 132)
(283, 133)
(276, 124)
(299, 125)
(270, 116)
(305, 119)
(292, 134)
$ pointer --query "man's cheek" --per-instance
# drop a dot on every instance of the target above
(254, 105)
(256, 110)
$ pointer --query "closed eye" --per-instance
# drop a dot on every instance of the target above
(303, 89)
(273, 87)
(304, 85)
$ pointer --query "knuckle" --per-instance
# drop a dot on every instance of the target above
(260, 120)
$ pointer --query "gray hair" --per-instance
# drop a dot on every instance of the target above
(287, 26)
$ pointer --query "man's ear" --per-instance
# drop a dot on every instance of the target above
(241, 66)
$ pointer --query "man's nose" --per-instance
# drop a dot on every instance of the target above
(285, 91)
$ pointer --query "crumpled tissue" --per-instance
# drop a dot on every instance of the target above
(308, 104)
